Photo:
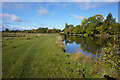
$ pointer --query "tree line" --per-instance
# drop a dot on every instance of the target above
(95, 25)
(39, 30)
(89, 27)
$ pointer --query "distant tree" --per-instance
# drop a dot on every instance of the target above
(66, 26)
(49, 31)
(70, 26)
(71, 30)
(78, 29)
(6, 30)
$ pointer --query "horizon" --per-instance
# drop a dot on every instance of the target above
(32, 15)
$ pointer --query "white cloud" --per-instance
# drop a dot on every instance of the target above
(77, 17)
(17, 28)
(11, 17)
(42, 11)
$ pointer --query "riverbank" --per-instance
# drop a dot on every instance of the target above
(96, 35)
(43, 57)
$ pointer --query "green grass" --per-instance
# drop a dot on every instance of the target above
(34, 58)
(43, 57)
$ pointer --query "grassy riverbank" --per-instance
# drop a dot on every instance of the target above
(43, 57)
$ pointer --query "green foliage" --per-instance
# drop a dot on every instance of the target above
(39, 30)
(107, 23)
(66, 26)
(90, 30)
(85, 35)
(6, 30)
(95, 25)
(22, 58)
(69, 29)
(115, 29)
(109, 20)
(84, 23)
(37, 57)
(77, 29)
(111, 55)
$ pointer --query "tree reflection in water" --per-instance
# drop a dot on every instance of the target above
(89, 45)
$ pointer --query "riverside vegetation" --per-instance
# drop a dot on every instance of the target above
(27, 54)
(43, 57)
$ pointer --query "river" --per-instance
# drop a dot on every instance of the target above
(86, 45)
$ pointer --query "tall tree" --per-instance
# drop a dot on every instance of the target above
(108, 22)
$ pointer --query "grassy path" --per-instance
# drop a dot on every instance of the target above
(42, 57)
(36, 57)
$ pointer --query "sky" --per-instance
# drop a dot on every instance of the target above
(32, 15)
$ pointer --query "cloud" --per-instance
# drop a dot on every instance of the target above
(87, 5)
(42, 11)
(9, 23)
(77, 17)
(17, 28)
(11, 17)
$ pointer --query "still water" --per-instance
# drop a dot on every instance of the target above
(85, 45)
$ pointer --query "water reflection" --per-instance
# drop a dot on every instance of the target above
(88, 45)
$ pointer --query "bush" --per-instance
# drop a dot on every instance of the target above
(110, 56)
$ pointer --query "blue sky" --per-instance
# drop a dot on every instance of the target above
(31, 15)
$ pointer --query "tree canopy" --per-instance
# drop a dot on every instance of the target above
(95, 25)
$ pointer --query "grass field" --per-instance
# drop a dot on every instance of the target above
(33, 57)
(43, 57)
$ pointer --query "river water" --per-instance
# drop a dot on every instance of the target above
(86, 45)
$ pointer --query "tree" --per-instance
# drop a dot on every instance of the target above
(94, 25)
(84, 23)
(110, 19)
(71, 30)
(91, 30)
(78, 29)
(49, 31)
(66, 26)
(91, 23)
(6, 30)
(115, 29)
(108, 22)
(70, 26)
(42, 30)
(99, 17)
